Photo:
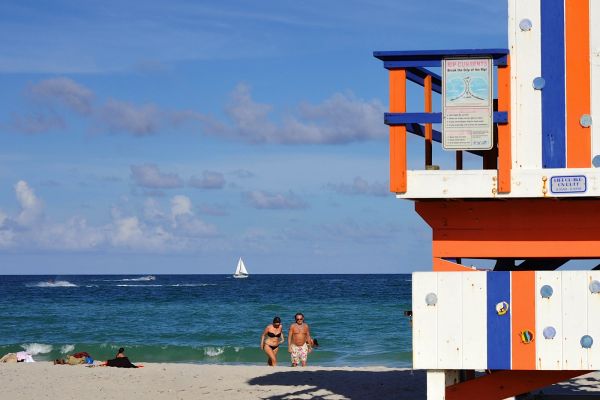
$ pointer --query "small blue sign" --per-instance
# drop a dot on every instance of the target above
(568, 184)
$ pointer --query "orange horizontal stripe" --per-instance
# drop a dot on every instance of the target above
(516, 249)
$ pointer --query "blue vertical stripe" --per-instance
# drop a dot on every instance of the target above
(498, 326)
(553, 94)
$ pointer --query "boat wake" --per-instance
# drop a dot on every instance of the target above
(146, 278)
(53, 284)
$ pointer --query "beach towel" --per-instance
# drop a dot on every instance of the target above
(122, 362)
(75, 361)
(24, 356)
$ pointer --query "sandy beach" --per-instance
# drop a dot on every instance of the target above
(42, 380)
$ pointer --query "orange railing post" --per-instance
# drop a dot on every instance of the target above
(398, 133)
(428, 127)
(504, 140)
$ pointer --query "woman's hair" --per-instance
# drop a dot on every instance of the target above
(121, 350)
(276, 320)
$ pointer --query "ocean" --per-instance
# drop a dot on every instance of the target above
(358, 319)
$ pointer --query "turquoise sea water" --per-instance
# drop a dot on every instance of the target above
(358, 319)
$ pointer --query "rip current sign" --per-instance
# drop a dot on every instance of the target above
(467, 104)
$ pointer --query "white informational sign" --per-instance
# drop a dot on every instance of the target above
(568, 184)
(467, 104)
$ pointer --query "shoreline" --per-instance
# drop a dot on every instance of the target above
(159, 381)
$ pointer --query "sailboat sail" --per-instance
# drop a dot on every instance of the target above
(240, 271)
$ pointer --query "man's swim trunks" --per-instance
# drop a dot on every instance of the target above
(299, 353)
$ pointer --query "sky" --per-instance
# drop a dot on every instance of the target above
(176, 136)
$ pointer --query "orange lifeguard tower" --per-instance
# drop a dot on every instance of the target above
(532, 207)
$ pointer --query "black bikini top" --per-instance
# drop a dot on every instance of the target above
(271, 334)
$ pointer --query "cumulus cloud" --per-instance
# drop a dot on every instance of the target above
(130, 233)
(185, 221)
(274, 201)
(37, 122)
(342, 118)
(181, 205)
(74, 234)
(149, 176)
(31, 207)
(119, 116)
(52, 97)
(63, 91)
(174, 230)
(152, 211)
(216, 210)
(242, 173)
(209, 180)
(360, 186)
(355, 231)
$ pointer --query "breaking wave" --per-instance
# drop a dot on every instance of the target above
(37, 348)
(67, 348)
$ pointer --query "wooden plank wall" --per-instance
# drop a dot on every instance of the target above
(463, 331)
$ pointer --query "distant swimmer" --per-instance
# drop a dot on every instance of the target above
(298, 341)
(270, 340)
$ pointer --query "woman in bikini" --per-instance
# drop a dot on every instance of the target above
(270, 340)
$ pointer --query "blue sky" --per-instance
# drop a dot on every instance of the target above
(174, 137)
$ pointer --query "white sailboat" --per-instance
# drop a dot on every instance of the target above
(240, 270)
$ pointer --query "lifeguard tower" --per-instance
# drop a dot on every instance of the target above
(533, 205)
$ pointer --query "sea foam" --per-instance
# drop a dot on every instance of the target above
(67, 348)
(37, 348)
(213, 351)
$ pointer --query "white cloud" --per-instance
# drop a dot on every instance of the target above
(52, 97)
(209, 180)
(343, 118)
(36, 122)
(180, 205)
(217, 210)
(152, 210)
(242, 173)
(154, 231)
(122, 117)
(149, 176)
(275, 201)
(74, 234)
(360, 186)
(31, 207)
(184, 220)
(63, 91)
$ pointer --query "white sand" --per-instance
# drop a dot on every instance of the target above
(42, 380)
